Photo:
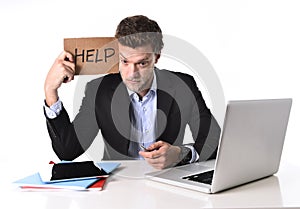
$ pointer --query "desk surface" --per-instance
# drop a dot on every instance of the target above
(128, 188)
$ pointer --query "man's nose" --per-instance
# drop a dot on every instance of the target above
(132, 69)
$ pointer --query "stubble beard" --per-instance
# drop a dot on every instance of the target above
(141, 85)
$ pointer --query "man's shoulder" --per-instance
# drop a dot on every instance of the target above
(163, 73)
(167, 72)
(103, 82)
(109, 78)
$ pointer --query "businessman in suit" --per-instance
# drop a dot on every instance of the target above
(141, 106)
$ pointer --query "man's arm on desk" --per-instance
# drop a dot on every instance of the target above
(203, 125)
(161, 154)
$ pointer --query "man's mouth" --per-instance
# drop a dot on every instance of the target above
(133, 81)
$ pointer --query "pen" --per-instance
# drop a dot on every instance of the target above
(145, 149)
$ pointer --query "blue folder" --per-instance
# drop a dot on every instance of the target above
(35, 180)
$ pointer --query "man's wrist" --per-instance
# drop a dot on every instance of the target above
(185, 155)
(54, 110)
(51, 97)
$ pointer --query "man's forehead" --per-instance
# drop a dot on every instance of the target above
(142, 51)
(136, 56)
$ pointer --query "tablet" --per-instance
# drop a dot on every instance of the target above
(67, 171)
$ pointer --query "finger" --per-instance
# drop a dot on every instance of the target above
(66, 56)
(151, 155)
(145, 154)
(159, 163)
(70, 56)
(148, 154)
(67, 77)
(70, 66)
(64, 73)
(154, 162)
(68, 72)
(156, 145)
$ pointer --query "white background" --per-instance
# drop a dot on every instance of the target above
(254, 47)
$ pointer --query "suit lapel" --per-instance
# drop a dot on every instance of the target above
(120, 108)
(165, 99)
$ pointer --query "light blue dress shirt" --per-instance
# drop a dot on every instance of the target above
(143, 120)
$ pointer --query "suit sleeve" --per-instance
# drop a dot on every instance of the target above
(71, 139)
(204, 127)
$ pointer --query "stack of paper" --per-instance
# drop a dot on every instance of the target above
(35, 182)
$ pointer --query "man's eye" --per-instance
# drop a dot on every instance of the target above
(142, 64)
(124, 61)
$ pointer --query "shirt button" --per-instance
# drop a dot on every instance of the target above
(146, 131)
(144, 109)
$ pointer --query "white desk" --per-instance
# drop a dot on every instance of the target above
(128, 188)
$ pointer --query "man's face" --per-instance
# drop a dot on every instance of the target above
(137, 67)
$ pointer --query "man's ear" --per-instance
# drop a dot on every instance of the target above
(157, 56)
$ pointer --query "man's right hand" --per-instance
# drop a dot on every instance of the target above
(62, 71)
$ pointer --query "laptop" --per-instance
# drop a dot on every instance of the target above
(249, 149)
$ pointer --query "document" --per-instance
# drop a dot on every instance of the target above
(88, 182)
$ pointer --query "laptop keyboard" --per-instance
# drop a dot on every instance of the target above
(205, 177)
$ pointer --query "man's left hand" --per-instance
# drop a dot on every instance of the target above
(161, 155)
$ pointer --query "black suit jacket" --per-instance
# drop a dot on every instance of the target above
(106, 107)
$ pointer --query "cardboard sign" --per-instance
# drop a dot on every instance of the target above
(93, 55)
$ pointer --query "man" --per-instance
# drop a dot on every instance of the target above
(139, 106)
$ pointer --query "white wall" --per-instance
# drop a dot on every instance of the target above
(254, 47)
